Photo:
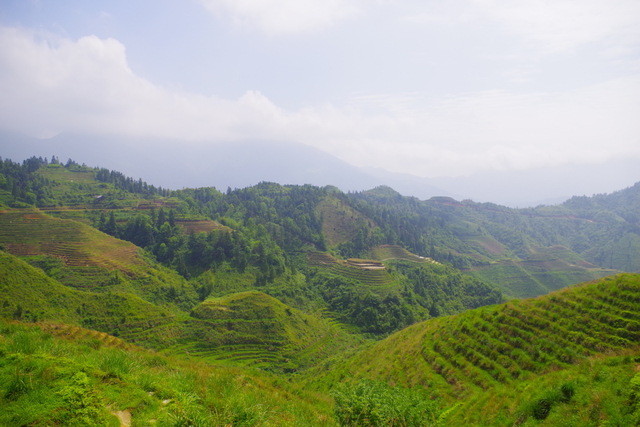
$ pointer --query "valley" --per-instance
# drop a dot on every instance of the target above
(303, 305)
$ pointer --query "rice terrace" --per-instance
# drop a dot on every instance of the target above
(123, 303)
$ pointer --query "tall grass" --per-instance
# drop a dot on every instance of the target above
(46, 380)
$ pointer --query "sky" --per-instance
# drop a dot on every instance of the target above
(426, 87)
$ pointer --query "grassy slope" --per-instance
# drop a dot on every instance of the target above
(537, 271)
(259, 329)
(88, 258)
(492, 349)
(533, 277)
(598, 391)
(340, 221)
(27, 293)
(47, 380)
(253, 328)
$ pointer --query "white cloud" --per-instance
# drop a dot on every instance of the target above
(51, 84)
(283, 16)
(563, 25)
(545, 26)
(504, 130)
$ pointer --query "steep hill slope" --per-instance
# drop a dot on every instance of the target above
(251, 328)
(525, 252)
(487, 349)
(80, 256)
(28, 294)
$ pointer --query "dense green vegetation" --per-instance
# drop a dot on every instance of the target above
(250, 328)
(374, 403)
(523, 361)
(303, 282)
(68, 377)
(510, 248)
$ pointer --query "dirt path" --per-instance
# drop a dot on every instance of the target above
(124, 417)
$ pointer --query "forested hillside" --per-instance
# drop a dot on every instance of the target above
(299, 280)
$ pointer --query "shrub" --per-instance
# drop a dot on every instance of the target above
(374, 403)
(634, 392)
(567, 390)
(82, 405)
(540, 406)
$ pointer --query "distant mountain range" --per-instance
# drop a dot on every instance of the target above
(175, 164)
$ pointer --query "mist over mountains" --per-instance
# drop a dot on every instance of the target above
(175, 164)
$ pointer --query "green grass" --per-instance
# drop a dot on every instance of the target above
(538, 275)
(91, 260)
(252, 328)
(48, 380)
(340, 222)
(495, 346)
(597, 391)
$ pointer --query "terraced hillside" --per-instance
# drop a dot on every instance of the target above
(382, 297)
(249, 328)
(492, 347)
(526, 252)
(370, 273)
(26, 293)
(252, 328)
(388, 252)
(82, 257)
(525, 270)
(27, 232)
(340, 222)
(537, 275)
(200, 226)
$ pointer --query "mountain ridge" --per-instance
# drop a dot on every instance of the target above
(240, 164)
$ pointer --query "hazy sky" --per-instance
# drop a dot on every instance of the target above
(418, 86)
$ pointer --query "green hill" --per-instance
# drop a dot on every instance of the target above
(305, 282)
(340, 221)
(82, 257)
(482, 353)
(514, 249)
(599, 234)
(28, 294)
(254, 329)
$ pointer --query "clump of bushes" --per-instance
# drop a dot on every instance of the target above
(540, 406)
(374, 403)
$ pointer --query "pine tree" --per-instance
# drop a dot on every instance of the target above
(111, 227)
(161, 218)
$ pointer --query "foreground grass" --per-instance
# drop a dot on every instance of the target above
(46, 380)
(600, 391)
